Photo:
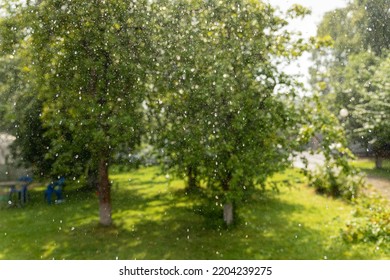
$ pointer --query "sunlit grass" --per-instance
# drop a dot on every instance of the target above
(368, 166)
(155, 219)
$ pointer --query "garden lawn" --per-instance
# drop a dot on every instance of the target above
(155, 219)
(368, 166)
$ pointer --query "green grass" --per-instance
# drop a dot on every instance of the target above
(368, 167)
(155, 219)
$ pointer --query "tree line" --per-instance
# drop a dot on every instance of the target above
(352, 75)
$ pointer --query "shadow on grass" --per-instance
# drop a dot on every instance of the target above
(377, 173)
(183, 234)
(159, 224)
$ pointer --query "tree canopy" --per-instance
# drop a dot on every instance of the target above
(345, 73)
(201, 77)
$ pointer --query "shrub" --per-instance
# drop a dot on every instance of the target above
(370, 221)
(344, 182)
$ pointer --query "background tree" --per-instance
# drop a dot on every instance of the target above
(373, 113)
(344, 76)
(19, 108)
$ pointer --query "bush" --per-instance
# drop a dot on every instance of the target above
(370, 221)
(337, 182)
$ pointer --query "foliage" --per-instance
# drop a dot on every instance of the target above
(327, 180)
(345, 74)
(370, 222)
(220, 110)
(222, 117)
(82, 63)
(374, 112)
(336, 177)
(360, 26)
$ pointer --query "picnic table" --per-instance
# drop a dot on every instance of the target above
(20, 187)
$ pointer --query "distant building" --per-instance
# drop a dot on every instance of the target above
(8, 169)
(5, 142)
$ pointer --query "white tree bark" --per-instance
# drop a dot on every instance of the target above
(228, 213)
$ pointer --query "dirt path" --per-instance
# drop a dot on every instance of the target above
(382, 186)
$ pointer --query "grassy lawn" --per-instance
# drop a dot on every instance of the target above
(368, 166)
(155, 219)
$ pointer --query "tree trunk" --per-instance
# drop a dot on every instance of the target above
(228, 213)
(228, 206)
(378, 161)
(192, 183)
(93, 179)
(104, 194)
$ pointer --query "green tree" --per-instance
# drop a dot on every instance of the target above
(374, 112)
(20, 109)
(222, 120)
(354, 81)
(359, 27)
(343, 73)
(85, 67)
